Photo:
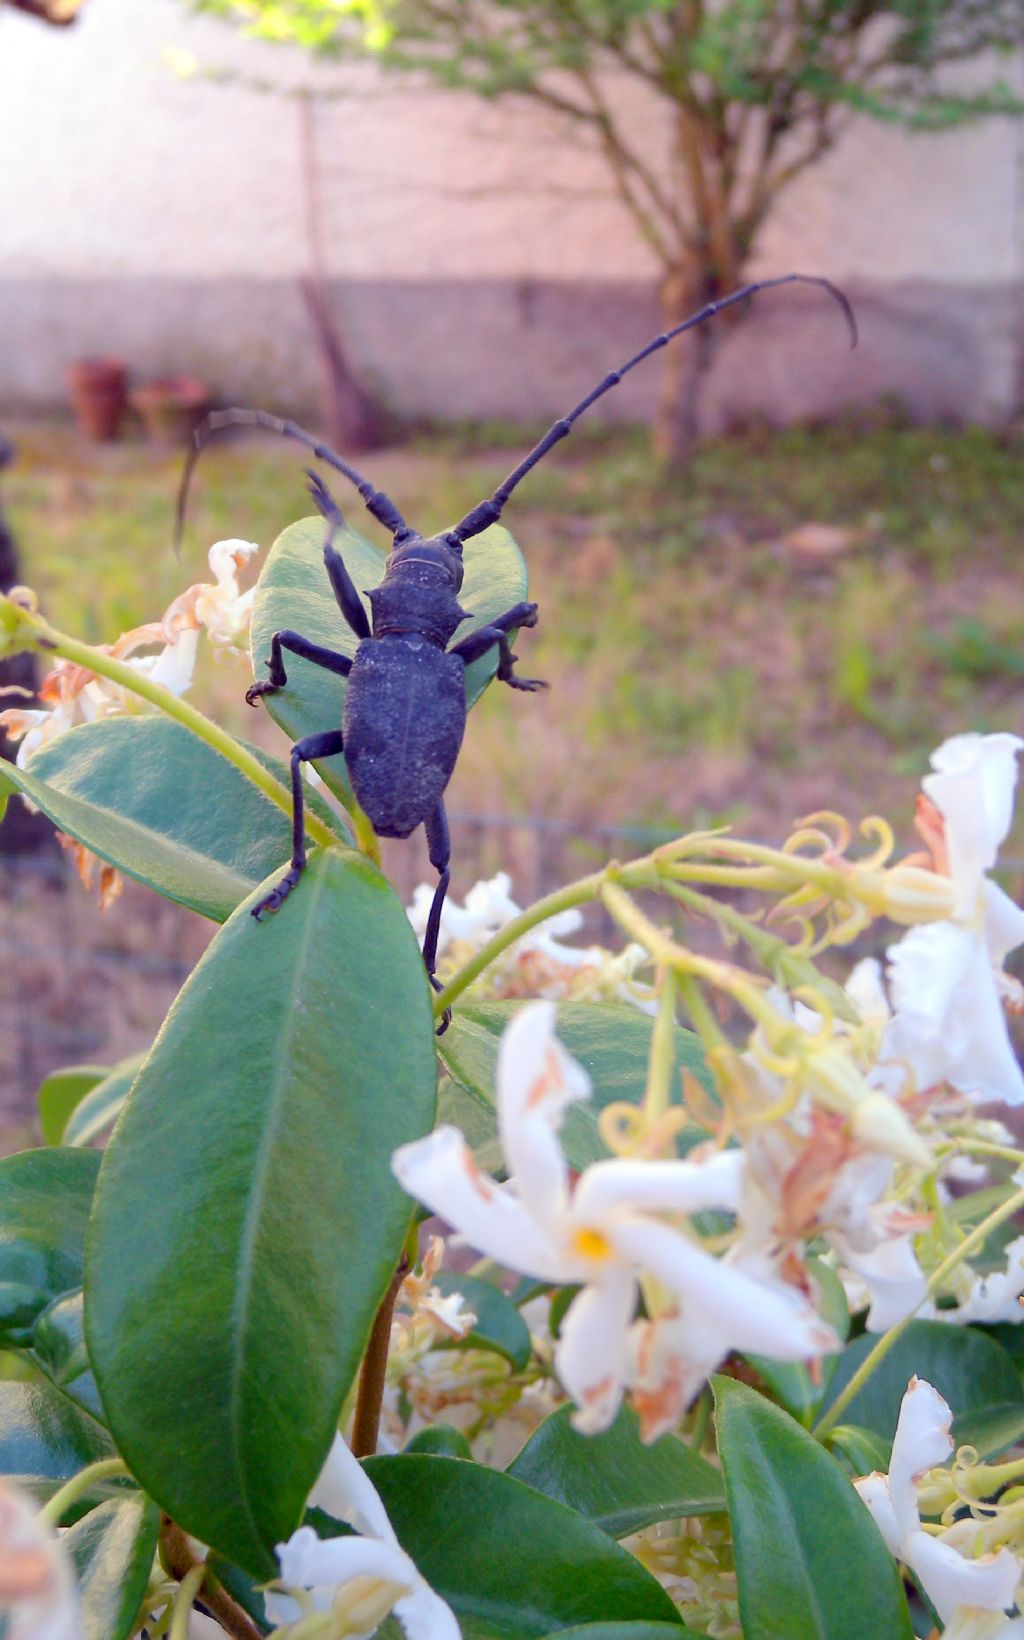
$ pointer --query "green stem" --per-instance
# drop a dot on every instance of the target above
(53, 1512)
(52, 642)
(184, 1600)
(563, 899)
(977, 1237)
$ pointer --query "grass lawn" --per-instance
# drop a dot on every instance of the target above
(711, 658)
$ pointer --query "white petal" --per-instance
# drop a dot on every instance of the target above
(949, 1580)
(715, 1295)
(922, 1441)
(425, 1616)
(892, 1275)
(345, 1491)
(537, 1080)
(1004, 924)
(949, 1022)
(592, 1352)
(874, 1490)
(440, 1172)
(38, 1594)
(670, 1362)
(670, 1186)
(311, 1562)
(972, 787)
(865, 990)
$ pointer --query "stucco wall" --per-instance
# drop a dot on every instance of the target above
(479, 262)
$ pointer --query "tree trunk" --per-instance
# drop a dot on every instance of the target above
(21, 831)
(684, 290)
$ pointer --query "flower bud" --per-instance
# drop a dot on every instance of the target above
(880, 1123)
(913, 894)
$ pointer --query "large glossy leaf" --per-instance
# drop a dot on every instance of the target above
(103, 1103)
(511, 1563)
(58, 1349)
(45, 1197)
(246, 1220)
(610, 1040)
(970, 1370)
(626, 1631)
(112, 1551)
(613, 1479)
(294, 592)
(810, 1561)
(59, 1095)
(44, 1439)
(163, 807)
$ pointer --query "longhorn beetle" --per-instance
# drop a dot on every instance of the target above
(405, 709)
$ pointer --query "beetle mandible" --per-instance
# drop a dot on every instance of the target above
(404, 713)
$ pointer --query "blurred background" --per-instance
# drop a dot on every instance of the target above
(773, 572)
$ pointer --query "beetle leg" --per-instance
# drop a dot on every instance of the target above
(497, 633)
(439, 848)
(327, 744)
(315, 652)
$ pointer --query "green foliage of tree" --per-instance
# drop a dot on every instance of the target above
(750, 93)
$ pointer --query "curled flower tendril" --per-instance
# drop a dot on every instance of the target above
(874, 826)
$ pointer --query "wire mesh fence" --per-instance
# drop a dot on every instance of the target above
(81, 986)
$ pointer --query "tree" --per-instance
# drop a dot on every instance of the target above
(752, 93)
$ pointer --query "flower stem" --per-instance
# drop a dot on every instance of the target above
(373, 1372)
(52, 642)
(53, 1512)
(176, 1553)
(588, 888)
(871, 1361)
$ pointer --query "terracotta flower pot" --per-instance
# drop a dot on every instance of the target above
(171, 408)
(98, 392)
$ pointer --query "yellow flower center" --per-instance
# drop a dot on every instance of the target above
(591, 1244)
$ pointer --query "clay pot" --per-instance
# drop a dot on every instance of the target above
(98, 396)
(171, 408)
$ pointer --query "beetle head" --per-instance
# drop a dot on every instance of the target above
(436, 552)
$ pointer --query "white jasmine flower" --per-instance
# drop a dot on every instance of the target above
(946, 977)
(992, 1297)
(356, 1580)
(222, 608)
(960, 1589)
(604, 1234)
(38, 1594)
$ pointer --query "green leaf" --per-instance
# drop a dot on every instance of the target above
(112, 1551)
(613, 1478)
(857, 1449)
(103, 1104)
(990, 1430)
(610, 1040)
(294, 592)
(797, 1523)
(442, 1441)
(627, 1631)
(58, 1349)
(971, 1371)
(60, 1094)
(163, 807)
(246, 1221)
(45, 1197)
(510, 1562)
(44, 1439)
(499, 1326)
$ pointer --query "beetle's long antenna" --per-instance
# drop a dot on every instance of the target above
(488, 512)
(379, 505)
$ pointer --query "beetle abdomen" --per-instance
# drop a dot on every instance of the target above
(405, 715)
